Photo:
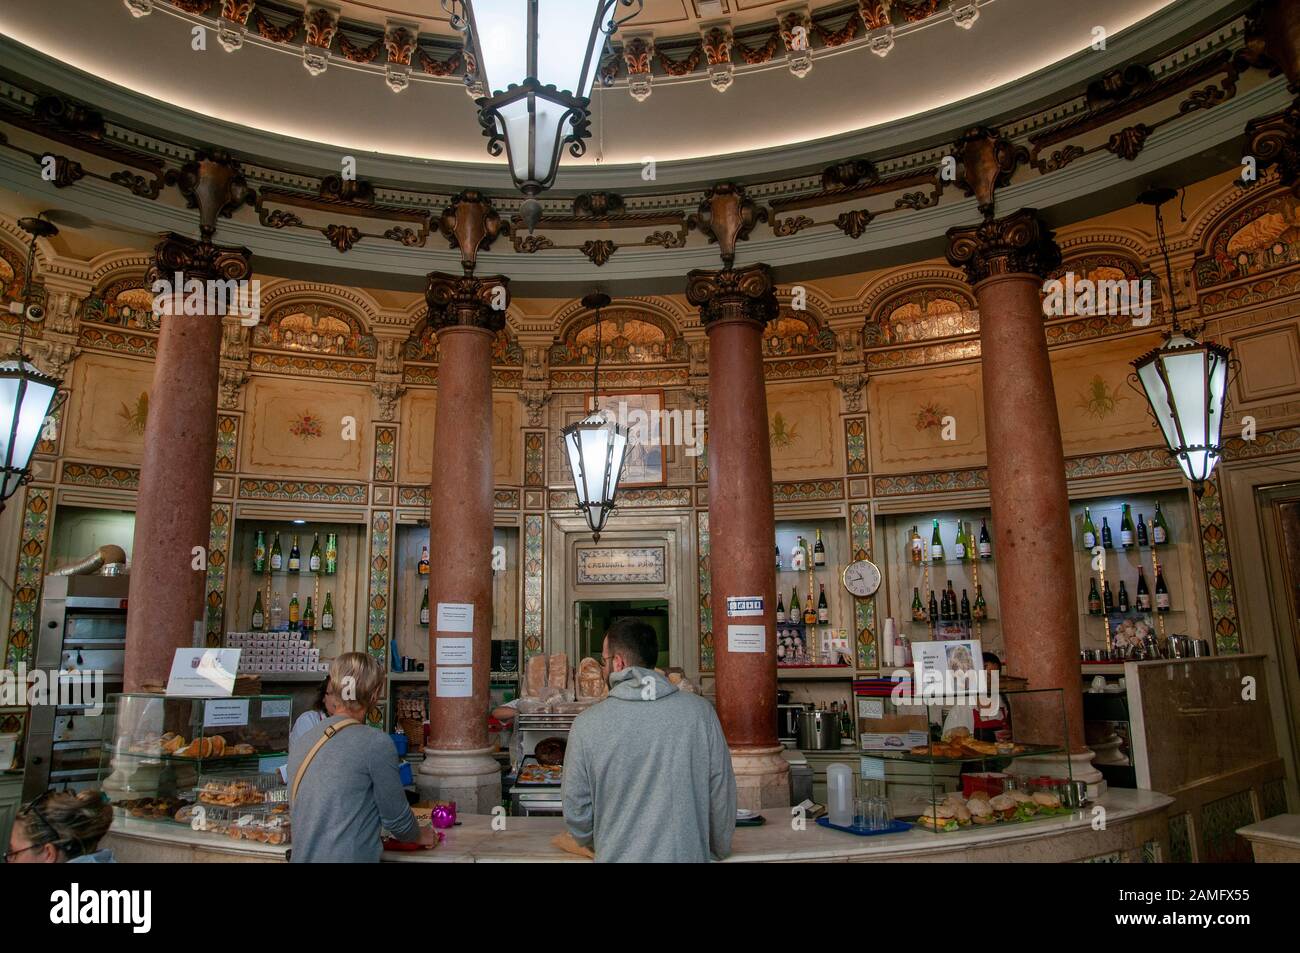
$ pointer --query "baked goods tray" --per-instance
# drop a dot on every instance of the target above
(895, 827)
(1023, 751)
(556, 770)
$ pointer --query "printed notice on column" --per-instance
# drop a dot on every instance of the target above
(747, 638)
(457, 682)
(455, 617)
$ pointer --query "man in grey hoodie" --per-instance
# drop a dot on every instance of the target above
(647, 772)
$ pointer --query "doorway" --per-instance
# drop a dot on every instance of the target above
(594, 618)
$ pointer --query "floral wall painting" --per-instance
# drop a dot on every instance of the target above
(648, 439)
(783, 434)
(1100, 400)
(306, 425)
(930, 415)
(136, 415)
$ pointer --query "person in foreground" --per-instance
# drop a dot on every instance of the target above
(647, 772)
(61, 827)
(349, 788)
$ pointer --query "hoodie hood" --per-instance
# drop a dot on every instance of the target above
(638, 684)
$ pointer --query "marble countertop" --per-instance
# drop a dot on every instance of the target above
(171, 833)
(1282, 829)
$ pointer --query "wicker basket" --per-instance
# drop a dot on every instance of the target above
(414, 729)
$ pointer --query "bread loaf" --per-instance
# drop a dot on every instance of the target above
(557, 671)
(591, 679)
(535, 676)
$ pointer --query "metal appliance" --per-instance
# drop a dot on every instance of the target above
(787, 720)
(819, 730)
(82, 631)
(536, 800)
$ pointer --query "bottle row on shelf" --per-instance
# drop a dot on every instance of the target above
(965, 545)
(801, 554)
(1102, 602)
(1132, 535)
(947, 608)
(807, 615)
(319, 560)
(298, 620)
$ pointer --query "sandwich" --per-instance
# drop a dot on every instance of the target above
(963, 815)
(981, 812)
(979, 796)
(1004, 806)
(1046, 800)
(1025, 805)
(939, 818)
(985, 749)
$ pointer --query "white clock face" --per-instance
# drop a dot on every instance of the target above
(862, 578)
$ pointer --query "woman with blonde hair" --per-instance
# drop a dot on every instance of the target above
(61, 827)
(344, 786)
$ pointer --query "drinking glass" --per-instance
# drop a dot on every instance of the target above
(861, 813)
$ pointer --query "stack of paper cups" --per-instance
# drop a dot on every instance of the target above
(887, 659)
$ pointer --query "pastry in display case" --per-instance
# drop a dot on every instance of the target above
(209, 763)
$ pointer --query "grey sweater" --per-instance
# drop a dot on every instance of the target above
(647, 775)
(351, 790)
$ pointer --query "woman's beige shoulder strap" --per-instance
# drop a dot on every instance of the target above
(330, 732)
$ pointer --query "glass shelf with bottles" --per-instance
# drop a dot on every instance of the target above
(946, 614)
(805, 635)
(319, 562)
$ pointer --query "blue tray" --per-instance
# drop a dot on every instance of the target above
(896, 828)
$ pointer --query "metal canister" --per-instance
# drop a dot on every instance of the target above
(819, 730)
(1201, 648)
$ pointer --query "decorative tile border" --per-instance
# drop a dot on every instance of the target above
(804, 490)
(1220, 821)
(419, 374)
(110, 478)
(1249, 294)
(117, 341)
(702, 461)
(413, 496)
(377, 589)
(1083, 329)
(227, 443)
(864, 610)
(534, 458)
(28, 575)
(533, 564)
(385, 454)
(922, 354)
(1122, 461)
(613, 378)
(506, 380)
(949, 481)
(313, 367)
(855, 444)
(505, 499)
(640, 498)
(1218, 570)
(218, 558)
(705, 590)
(303, 491)
(804, 367)
(1265, 444)
(52, 448)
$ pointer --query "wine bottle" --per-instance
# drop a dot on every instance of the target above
(965, 607)
(819, 551)
(295, 557)
(1106, 541)
(424, 607)
(423, 567)
(308, 619)
(980, 610)
(918, 546)
(294, 610)
(936, 544)
(1143, 595)
(1123, 597)
(259, 614)
(1141, 532)
(1125, 528)
(327, 614)
(1107, 599)
(986, 542)
(259, 552)
(823, 610)
(314, 560)
(952, 603)
(277, 613)
(934, 608)
(1089, 530)
(1094, 598)
(331, 554)
(959, 545)
(809, 615)
(1162, 591)
(918, 607)
(970, 543)
(778, 557)
(780, 609)
(795, 613)
(1160, 531)
(797, 555)
(277, 557)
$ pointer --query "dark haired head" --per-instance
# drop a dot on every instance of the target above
(635, 641)
(991, 659)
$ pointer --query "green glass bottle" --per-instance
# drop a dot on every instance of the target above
(295, 557)
(796, 615)
(331, 554)
(959, 544)
(277, 555)
(308, 618)
(1126, 530)
(259, 553)
(1089, 530)
(936, 544)
(918, 607)
(1160, 532)
(1094, 598)
(259, 614)
(424, 608)
(327, 614)
(980, 610)
(294, 613)
(314, 560)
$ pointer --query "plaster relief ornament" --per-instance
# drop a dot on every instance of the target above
(139, 8)
(637, 54)
(399, 41)
(717, 42)
(233, 23)
(964, 14)
(321, 24)
(881, 41)
(795, 28)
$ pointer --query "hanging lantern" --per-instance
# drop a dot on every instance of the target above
(595, 447)
(1185, 381)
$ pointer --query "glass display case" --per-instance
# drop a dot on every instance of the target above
(1012, 758)
(209, 763)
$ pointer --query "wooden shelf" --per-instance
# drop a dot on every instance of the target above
(814, 673)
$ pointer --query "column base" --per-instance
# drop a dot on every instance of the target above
(1078, 765)
(470, 778)
(762, 778)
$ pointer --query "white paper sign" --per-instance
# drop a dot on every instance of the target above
(225, 713)
(454, 682)
(277, 708)
(744, 605)
(747, 638)
(203, 672)
(873, 769)
(455, 651)
(871, 708)
(455, 617)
